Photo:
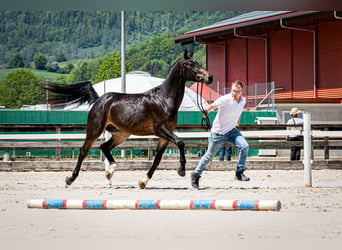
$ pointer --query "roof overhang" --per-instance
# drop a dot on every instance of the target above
(248, 21)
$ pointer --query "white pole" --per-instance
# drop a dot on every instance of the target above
(307, 149)
(123, 48)
(123, 63)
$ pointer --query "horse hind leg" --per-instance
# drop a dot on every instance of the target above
(110, 164)
(83, 153)
(109, 161)
(94, 130)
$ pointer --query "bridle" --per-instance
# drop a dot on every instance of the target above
(185, 63)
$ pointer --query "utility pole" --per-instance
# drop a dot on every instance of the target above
(123, 52)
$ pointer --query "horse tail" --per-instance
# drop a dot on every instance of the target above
(77, 93)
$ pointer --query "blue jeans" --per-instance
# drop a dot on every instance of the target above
(215, 142)
(225, 151)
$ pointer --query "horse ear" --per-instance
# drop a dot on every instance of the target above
(186, 53)
(191, 54)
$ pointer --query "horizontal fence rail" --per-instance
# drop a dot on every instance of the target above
(71, 136)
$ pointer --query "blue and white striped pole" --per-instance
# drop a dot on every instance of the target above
(263, 205)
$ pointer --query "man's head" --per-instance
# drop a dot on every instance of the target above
(294, 112)
(237, 88)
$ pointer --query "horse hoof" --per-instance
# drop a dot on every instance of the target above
(68, 181)
(143, 182)
(181, 172)
(110, 171)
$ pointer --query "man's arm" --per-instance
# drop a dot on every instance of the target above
(209, 108)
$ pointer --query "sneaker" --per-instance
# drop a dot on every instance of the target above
(195, 180)
(239, 175)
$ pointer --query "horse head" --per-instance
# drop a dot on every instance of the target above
(193, 71)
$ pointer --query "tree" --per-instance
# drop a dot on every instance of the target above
(21, 87)
(80, 74)
(52, 67)
(158, 68)
(17, 61)
(59, 56)
(155, 56)
(66, 69)
(110, 67)
(61, 79)
(49, 32)
(40, 61)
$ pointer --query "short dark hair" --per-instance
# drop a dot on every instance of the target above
(238, 82)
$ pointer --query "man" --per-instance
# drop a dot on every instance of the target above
(225, 151)
(295, 120)
(224, 129)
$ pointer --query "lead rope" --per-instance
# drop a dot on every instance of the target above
(205, 122)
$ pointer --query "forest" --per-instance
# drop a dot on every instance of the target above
(90, 34)
(79, 46)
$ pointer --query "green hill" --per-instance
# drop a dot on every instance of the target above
(39, 73)
(90, 34)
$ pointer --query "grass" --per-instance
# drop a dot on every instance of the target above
(44, 75)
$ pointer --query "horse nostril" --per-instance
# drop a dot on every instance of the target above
(210, 79)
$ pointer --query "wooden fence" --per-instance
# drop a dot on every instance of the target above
(71, 136)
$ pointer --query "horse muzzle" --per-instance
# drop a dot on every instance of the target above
(207, 78)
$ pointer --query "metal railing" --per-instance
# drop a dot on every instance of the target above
(260, 96)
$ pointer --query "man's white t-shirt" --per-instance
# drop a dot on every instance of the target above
(229, 112)
(294, 121)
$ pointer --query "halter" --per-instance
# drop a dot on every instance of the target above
(185, 62)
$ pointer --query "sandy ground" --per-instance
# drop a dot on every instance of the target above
(306, 213)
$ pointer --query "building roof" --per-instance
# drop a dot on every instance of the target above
(244, 20)
(208, 94)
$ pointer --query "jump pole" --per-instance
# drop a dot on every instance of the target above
(257, 205)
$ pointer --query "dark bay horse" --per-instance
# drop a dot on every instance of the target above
(153, 112)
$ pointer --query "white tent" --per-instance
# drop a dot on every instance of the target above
(138, 82)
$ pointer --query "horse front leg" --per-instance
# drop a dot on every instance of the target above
(162, 144)
(181, 146)
(165, 133)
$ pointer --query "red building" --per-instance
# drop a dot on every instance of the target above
(300, 51)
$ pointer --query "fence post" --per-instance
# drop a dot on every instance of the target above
(58, 150)
(326, 147)
(307, 149)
